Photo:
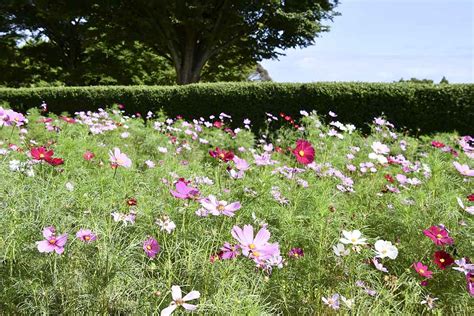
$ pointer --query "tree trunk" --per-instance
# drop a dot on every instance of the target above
(189, 66)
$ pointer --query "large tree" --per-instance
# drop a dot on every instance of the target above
(189, 33)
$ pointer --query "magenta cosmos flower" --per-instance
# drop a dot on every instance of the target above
(117, 158)
(438, 235)
(422, 270)
(304, 152)
(296, 253)
(183, 191)
(216, 207)
(151, 247)
(470, 283)
(86, 235)
(52, 242)
(258, 247)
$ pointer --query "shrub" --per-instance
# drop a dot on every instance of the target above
(426, 108)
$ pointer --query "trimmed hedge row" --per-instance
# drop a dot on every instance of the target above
(428, 108)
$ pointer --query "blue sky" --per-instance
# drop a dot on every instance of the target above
(385, 40)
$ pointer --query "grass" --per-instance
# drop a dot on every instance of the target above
(113, 275)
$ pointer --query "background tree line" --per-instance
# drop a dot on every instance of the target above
(128, 42)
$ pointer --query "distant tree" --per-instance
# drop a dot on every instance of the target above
(190, 33)
(415, 80)
(260, 74)
(444, 80)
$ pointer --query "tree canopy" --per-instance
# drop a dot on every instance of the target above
(145, 41)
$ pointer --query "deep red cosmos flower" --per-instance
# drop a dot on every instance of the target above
(437, 144)
(132, 201)
(40, 153)
(304, 152)
(55, 161)
(443, 259)
(222, 154)
(389, 178)
(470, 197)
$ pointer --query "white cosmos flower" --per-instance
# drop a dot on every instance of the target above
(385, 249)
(380, 148)
(353, 237)
(348, 302)
(178, 300)
(340, 251)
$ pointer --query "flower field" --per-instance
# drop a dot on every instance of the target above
(103, 213)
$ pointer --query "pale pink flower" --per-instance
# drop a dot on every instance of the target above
(117, 158)
(464, 169)
(216, 207)
(179, 300)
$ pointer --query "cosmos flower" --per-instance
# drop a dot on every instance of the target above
(52, 242)
(183, 191)
(216, 207)
(304, 152)
(352, 237)
(88, 155)
(41, 153)
(429, 301)
(464, 169)
(332, 301)
(221, 154)
(470, 283)
(385, 249)
(422, 270)
(463, 265)
(117, 158)
(443, 259)
(166, 223)
(340, 251)
(296, 253)
(86, 235)
(151, 247)
(229, 251)
(379, 266)
(179, 300)
(258, 247)
(438, 235)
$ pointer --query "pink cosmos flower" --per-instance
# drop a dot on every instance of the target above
(179, 300)
(422, 270)
(52, 242)
(332, 302)
(183, 191)
(439, 235)
(88, 155)
(257, 248)
(464, 169)
(117, 158)
(86, 235)
(241, 164)
(151, 247)
(216, 207)
(304, 152)
(229, 251)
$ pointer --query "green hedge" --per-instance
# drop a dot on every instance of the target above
(428, 108)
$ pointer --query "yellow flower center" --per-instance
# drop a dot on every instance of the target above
(442, 260)
(439, 236)
(220, 207)
(221, 155)
(422, 271)
(256, 254)
(353, 240)
(52, 241)
(295, 255)
(87, 237)
(301, 153)
(252, 246)
(148, 247)
(179, 301)
(41, 156)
